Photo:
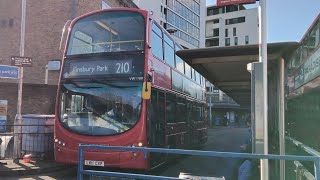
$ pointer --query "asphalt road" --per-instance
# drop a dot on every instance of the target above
(226, 139)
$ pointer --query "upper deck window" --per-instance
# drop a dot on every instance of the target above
(110, 31)
(156, 42)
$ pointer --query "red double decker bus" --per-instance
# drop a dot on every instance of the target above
(111, 58)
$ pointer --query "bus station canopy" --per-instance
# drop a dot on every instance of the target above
(226, 67)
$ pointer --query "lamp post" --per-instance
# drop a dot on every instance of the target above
(18, 118)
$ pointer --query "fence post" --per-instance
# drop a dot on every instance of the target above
(317, 168)
(80, 163)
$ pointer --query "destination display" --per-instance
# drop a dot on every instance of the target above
(90, 68)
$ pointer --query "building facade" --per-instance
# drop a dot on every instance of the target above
(187, 17)
(44, 23)
(231, 26)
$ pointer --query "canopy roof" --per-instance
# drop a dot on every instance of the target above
(226, 67)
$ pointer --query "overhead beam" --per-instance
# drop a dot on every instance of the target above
(233, 83)
(226, 59)
(231, 59)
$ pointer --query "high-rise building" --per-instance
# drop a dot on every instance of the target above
(231, 26)
(185, 16)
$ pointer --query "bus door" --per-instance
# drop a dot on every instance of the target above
(157, 125)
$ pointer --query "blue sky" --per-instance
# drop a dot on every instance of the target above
(288, 20)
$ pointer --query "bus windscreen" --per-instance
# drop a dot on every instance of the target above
(111, 31)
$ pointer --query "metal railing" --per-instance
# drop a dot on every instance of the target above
(82, 148)
(34, 139)
(301, 171)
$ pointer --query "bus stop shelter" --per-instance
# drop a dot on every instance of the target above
(227, 69)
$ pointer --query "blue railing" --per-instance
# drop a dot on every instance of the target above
(82, 171)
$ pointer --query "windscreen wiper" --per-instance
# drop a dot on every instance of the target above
(110, 84)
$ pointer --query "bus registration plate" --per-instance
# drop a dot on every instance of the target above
(93, 163)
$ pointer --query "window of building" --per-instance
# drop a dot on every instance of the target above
(169, 50)
(104, 5)
(232, 8)
(226, 33)
(156, 42)
(247, 39)
(235, 41)
(234, 31)
(216, 21)
(215, 32)
(212, 42)
(235, 20)
(227, 42)
(212, 11)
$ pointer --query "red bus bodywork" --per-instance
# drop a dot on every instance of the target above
(66, 142)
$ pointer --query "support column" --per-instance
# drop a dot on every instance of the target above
(281, 118)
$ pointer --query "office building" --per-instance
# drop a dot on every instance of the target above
(231, 26)
(185, 16)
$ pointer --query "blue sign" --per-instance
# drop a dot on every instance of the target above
(3, 127)
(9, 72)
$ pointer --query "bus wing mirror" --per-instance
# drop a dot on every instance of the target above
(146, 90)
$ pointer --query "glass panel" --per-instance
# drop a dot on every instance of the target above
(100, 108)
(187, 70)
(227, 41)
(169, 55)
(179, 62)
(107, 32)
(181, 109)
(171, 108)
(156, 42)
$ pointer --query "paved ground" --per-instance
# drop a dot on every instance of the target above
(220, 139)
(226, 139)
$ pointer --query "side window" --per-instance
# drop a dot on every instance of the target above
(156, 42)
(197, 112)
(179, 62)
(189, 113)
(187, 70)
(181, 109)
(161, 106)
(170, 107)
(198, 78)
(168, 50)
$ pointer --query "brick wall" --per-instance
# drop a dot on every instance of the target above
(37, 99)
